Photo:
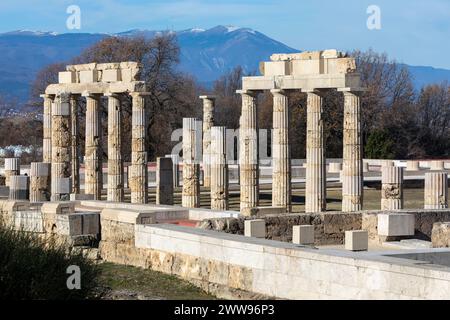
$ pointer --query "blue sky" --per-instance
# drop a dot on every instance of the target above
(416, 32)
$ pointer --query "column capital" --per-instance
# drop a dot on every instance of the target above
(112, 94)
(88, 94)
(208, 97)
(47, 96)
(353, 90)
(139, 94)
(278, 91)
(247, 92)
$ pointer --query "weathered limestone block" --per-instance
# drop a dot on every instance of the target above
(12, 168)
(50, 211)
(315, 191)
(191, 166)
(412, 166)
(303, 234)
(352, 178)
(391, 188)
(65, 77)
(79, 223)
(440, 236)
(29, 221)
(335, 167)
(115, 162)
(164, 181)
(19, 188)
(281, 186)
(219, 169)
(40, 184)
(396, 224)
(139, 171)
(208, 122)
(437, 166)
(93, 151)
(356, 240)
(8, 209)
(255, 228)
(61, 148)
(248, 150)
(436, 190)
(262, 211)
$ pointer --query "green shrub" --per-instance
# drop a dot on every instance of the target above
(379, 146)
(34, 268)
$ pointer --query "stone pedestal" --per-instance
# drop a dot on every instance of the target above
(436, 190)
(248, 151)
(255, 228)
(356, 240)
(335, 167)
(139, 171)
(176, 172)
(437, 166)
(208, 122)
(61, 149)
(115, 163)
(47, 128)
(192, 130)
(352, 178)
(12, 168)
(164, 181)
(281, 186)
(412, 166)
(219, 169)
(75, 144)
(391, 188)
(303, 235)
(19, 188)
(315, 193)
(40, 182)
(93, 155)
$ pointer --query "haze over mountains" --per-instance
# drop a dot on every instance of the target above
(206, 54)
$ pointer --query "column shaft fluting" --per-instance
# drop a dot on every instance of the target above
(219, 169)
(208, 122)
(139, 172)
(192, 130)
(47, 128)
(93, 154)
(164, 181)
(115, 161)
(316, 178)
(12, 168)
(281, 159)
(248, 151)
(19, 188)
(75, 145)
(391, 188)
(61, 149)
(352, 179)
(39, 182)
(436, 190)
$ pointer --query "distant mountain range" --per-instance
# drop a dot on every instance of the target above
(206, 54)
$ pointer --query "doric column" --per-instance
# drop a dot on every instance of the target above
(93, 180)
(47, 127)
(115, 162)
(316, 178)
(18, 188)
(164, 181)
(139, 171)
(75, 145)
(61, 148)
(208, 122)
(219, 169)
(176, 174)
(281, 164)
(391, 188)
(192, 131)
(39, 182)
(436, 190)
(352, 179)
(248, 151)
(12, 168)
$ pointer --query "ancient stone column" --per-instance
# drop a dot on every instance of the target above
(315, 192)
(12, 168)
(391, 188)
(248, 151)
(40, 182)
(93, 161)
(115, 161)
(281, 163)
(164, 181)
(436, 190)
(61, 148)
(47, 128)
(139, 171)
(18, 188)
(75, 145)
(208, 122)
(352, 179)
(219, 169)
(176, 173)
(191, 162)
